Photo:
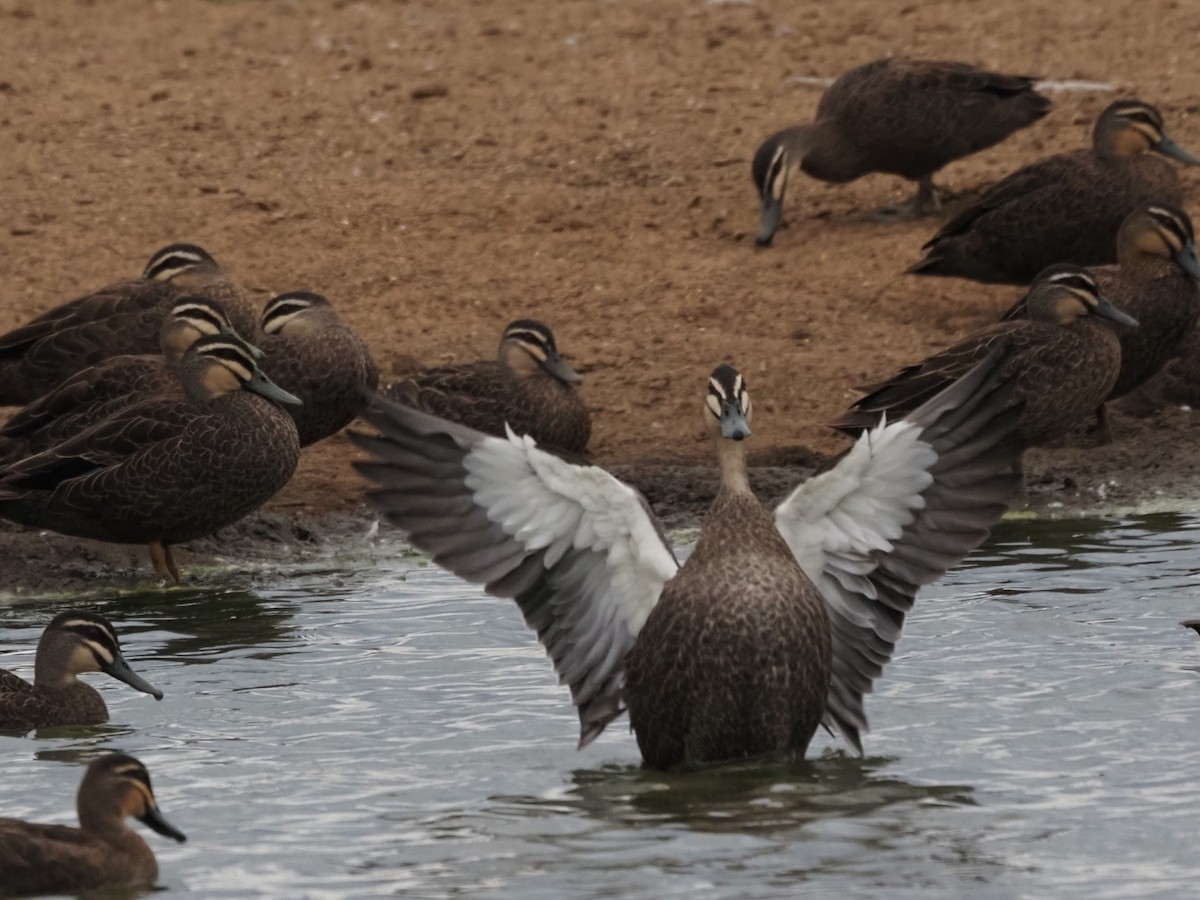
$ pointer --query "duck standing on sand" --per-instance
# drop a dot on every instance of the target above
(906, 117)
(166, 469)
(1062, 355)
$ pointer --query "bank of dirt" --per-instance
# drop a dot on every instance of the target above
(440, 169)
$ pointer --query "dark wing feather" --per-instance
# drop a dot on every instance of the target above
(906, 503)
(577, 549)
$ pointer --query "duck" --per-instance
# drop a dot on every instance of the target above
(1193, 624)
(1063, 357)
(122, 318)
(1065, 208)
(1155, 282)
(529, 388)
(775, 624)
(103, 852)
(313, 354)
(906, 117)
(75, 641)
(92, 393)
(166, 469)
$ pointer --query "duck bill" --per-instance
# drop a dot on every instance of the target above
(153, 819)
(1106, 309)
(1168, 147)
(1188, 261)
(733, 424)
(772, 213)
(119, 669)
(557, 367)
(263, 385)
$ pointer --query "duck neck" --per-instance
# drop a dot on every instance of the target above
(731, 456)
(50, 666)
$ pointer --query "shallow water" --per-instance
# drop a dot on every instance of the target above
(385, 730)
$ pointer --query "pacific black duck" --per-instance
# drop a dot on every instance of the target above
(772, 626)
(125, 317)
(166, 469)
(529, 388)
(906, 117)
(98, 391)
(103, 852)
(1155, 282)
(1066, 208)
(73, 643)
(310, 352)
(1063, 358)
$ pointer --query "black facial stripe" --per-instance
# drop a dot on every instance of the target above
(1074, 281)
(285, 308)
(229, 352)
(200, 314)
(1170, 221)
(536, 338)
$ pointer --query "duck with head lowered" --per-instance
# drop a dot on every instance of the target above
(773, 625)
(906, 117)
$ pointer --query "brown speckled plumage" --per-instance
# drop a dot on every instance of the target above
(103, 852)
(907, 117)
(1066, 208)
(97, 392)
(486, 395)
(1155, 282)
(163, 470)
(734, 660)
(122, 318)
(74, 642)
(1064, 370)
(310, 352)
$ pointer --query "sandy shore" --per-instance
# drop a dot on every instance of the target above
(440, 169)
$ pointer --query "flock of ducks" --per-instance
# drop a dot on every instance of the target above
(162, 408)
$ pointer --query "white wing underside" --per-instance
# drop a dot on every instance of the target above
(577, 549)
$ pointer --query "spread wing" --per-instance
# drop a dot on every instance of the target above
(577, 549)
(917, 384)
(903, 505)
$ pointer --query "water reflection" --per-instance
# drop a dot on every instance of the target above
(749, 798)
(199, 623)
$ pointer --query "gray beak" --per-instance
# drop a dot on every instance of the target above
(733, 422)
(772, 213)
(1168, 147)
(154, 819)
(1107, 310)
(1187, 259)
(261, 384)
(557, 367)
(119, 669)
